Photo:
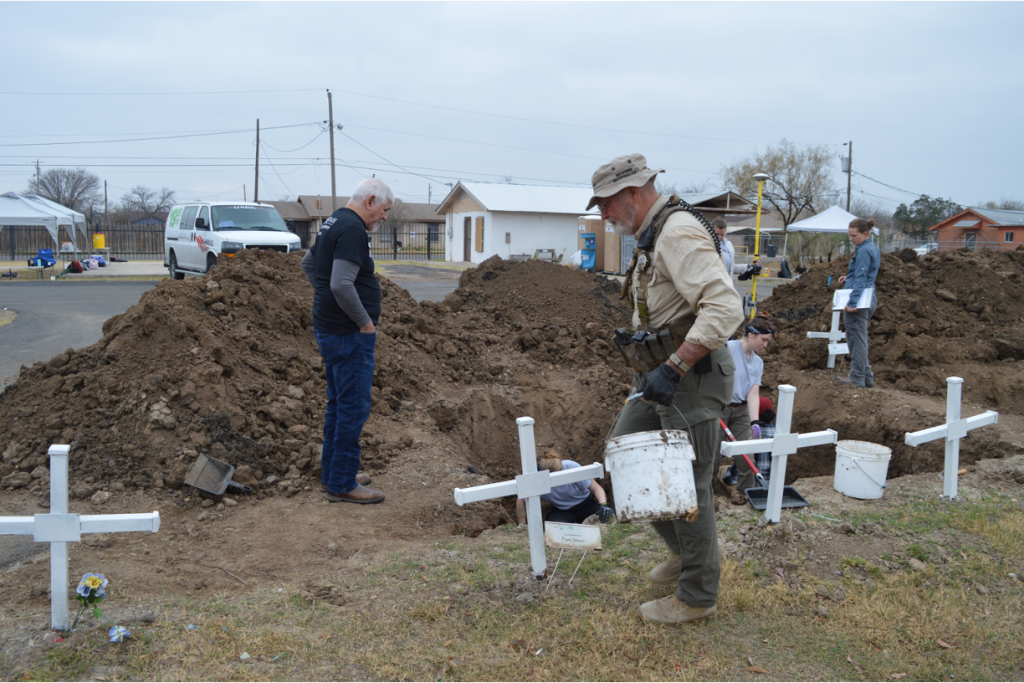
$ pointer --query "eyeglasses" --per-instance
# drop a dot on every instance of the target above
(603, 205)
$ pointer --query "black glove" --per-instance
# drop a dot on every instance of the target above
(661, 386)
(605, 513)
(754, 269)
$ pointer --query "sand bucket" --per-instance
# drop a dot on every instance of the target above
(861, 468)
(652, 475)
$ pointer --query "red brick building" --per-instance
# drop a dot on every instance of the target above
(981, 229)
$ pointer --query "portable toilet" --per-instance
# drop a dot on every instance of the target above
(589, 251)
(593, 225)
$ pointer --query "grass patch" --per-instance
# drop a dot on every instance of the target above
(456, 614)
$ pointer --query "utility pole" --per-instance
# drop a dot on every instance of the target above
(256, 187)
(428, 193)
(244, 199)
(37, 176)
(106, 218)
(849, 174)
(330, 122)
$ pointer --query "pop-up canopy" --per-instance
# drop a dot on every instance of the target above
(77, 217)
(15, 210)
(832, 219)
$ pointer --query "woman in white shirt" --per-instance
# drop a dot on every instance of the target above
(728, 251)
(746, 397)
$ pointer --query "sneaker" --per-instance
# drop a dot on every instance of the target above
(668, 571)
(849, 382)
(869, 382)
(672, 610)
(360, 494)
(361, 478)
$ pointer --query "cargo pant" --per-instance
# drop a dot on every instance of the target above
(857, 337)
(696, 409)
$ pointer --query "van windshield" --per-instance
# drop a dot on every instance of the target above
(247, 217)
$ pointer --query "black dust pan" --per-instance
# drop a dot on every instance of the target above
(213, 477)
(758, 497)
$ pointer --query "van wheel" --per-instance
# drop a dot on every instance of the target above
(173, 266)
(211, 261)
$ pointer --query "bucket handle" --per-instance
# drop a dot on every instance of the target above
(857, 463)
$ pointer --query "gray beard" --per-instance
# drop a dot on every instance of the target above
(619, 228)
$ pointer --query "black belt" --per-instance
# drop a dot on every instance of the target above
(736, 405)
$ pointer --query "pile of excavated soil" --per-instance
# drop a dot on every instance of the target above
(956, 313)
(227, 365)
(951, 313)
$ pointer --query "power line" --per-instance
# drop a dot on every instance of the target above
(169, 137)
(913, 194)
(276, 173)
(289, 151)
(569, 125)
(390, 162)
(154, 94)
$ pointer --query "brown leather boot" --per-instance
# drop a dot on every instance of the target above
(360, 494)
(361, 478)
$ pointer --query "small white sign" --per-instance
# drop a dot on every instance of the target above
(841, 298)
(838, 349)
(582, 536)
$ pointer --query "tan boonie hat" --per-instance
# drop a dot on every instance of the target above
(618, 174)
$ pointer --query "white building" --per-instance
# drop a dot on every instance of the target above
(487, 219)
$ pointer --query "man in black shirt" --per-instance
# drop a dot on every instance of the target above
(346, 309)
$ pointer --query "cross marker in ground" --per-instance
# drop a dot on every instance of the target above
(58, 528)
(954, 430)
(529, 486)
(834, 336)
(781, 446)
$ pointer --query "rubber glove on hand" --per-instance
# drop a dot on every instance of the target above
(757, 431)
(662, 383)
(604, 514)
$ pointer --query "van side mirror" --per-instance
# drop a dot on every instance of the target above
(201, 224)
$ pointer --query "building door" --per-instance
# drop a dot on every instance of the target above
(467, 239)
(971, 241)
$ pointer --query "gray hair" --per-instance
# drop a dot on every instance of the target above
(372, 187)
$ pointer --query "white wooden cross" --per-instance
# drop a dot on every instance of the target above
(782, 445)
(954, 430)
(834, 336)
(530, 485)
(58, 528)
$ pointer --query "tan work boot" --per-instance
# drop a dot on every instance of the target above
(360, 494)
(672, 610)
(361, 478)
(668, 571)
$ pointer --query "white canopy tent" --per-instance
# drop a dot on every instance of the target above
(64, 217)
(832, 219)
(14, 210)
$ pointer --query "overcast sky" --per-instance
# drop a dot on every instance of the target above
(431, 93)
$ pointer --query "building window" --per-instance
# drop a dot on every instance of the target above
(1007, 236)
(971, 241)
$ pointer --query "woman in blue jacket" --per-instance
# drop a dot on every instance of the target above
(861, 275)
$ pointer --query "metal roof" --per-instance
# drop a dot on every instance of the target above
(1001, 216)
(966, 224)
(523, 198)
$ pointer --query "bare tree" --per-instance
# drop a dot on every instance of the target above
(692, 187)
(397, 216)
(149, 202)
(798, 178)
(75, 188)
(1004, 203)
(506, 178)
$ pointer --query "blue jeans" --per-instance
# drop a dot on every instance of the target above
(349, 364)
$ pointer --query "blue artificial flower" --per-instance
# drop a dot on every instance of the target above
(118, 634)
(92, 582)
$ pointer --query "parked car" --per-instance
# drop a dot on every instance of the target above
(199, 233)
(926, 249)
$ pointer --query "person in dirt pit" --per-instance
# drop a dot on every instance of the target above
(346, 309)
(728, 251)
(684, 309)
(861, 275)
(571, 503)
(742, 412)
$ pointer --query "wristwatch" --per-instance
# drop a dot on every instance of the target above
(679, 363)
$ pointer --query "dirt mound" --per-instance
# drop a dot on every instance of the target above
(226, 364)
(951, 313)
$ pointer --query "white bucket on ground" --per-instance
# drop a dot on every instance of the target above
(861, 468)
(652, 474)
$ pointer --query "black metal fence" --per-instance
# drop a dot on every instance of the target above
(410, 242)
(124, 241)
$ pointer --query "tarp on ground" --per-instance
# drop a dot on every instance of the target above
(15, 210)
(832, 219)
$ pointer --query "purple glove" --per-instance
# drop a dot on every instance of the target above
(757, 431)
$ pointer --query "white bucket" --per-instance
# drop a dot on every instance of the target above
(652, 475)
(861, 468)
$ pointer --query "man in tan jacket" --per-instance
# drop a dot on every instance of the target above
(677, 286)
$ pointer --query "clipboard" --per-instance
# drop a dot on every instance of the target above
(841, 298)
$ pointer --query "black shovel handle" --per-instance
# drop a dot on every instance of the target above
(241, 488)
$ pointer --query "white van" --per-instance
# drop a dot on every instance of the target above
(199, 233)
